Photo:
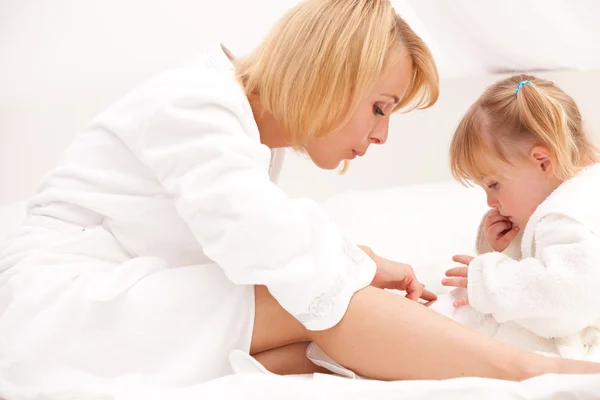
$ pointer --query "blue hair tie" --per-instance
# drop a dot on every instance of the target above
(521, 84)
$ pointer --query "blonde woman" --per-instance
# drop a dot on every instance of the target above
(161, 244)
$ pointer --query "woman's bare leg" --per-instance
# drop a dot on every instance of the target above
(385, 336)
(273, 326)
(289, 360)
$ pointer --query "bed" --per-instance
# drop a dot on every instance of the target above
(412, 224)
(50, 92)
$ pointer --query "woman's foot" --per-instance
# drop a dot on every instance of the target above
(565, 366)
(550, 365)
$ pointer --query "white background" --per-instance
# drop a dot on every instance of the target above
(63, 61)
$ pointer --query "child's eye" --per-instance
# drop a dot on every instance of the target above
(493, 186)
(377, 110)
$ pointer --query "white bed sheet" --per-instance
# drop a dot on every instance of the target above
(423, 225)
(267, 387)
(261, 386)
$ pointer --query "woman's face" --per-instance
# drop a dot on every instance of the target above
(370, 121)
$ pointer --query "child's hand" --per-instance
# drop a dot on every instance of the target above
(499, 231)
(458, 277)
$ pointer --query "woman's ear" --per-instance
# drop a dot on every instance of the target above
(543, 159)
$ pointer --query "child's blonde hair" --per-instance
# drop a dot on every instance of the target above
(319, 61)
(506, 123)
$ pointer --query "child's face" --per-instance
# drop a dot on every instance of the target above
(518, 191)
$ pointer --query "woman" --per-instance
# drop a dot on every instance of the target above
(160, 244)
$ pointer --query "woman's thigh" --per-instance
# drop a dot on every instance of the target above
(289, 360)
(273, 326)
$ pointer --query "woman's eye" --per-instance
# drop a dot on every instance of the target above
(493, 186)
(378, 110)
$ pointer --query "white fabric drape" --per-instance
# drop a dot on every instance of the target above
(475, 37)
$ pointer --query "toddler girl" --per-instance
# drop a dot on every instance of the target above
(539, 245)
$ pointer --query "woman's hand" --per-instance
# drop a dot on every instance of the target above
(395, 275)
(459, 277)
(499, 230)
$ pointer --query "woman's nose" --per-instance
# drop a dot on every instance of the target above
(380, 134)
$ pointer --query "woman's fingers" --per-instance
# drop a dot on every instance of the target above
(414, 294)
(414, 289)
(428, 296)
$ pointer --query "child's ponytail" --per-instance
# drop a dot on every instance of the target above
(545, 118)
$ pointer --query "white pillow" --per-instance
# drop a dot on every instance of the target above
(422, 225)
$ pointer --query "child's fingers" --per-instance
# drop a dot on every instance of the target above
(503, 224)
(455, 282)
(492, 212)
(460, 303)
(509, 236)
(494, 217)
(495, 230)
(458, 271)
(466, 260)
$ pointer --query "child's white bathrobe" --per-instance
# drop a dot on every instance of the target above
(548, 280)
(140, 251)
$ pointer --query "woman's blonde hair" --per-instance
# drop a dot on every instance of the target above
(319, 61)
(506, 123)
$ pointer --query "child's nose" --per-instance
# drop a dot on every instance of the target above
(491, 201)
